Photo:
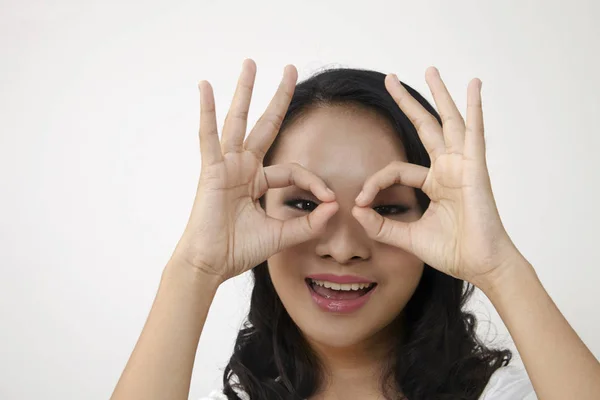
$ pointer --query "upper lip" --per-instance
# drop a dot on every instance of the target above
(340, 278)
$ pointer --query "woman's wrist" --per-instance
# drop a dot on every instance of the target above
(183, 272)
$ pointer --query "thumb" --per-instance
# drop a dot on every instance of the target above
(301, 229)
(384, 230)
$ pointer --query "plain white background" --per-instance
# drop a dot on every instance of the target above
(99, 154)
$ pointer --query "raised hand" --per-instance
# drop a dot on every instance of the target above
(228, 232)
(461, 233)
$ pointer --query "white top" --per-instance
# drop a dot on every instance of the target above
(506, 383)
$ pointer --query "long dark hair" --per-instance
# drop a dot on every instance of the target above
(437, 356)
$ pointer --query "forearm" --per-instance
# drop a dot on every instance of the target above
(161, 364)
(558, 363)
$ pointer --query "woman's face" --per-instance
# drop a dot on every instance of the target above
(343, 146)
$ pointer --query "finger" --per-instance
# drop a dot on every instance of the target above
(384, 230)
(283, 175)
(267, 127)
(397, 172)
(236, 121)
(427, 126)
(301, 229)
(453, 124)
(474, 134)
(210, 148)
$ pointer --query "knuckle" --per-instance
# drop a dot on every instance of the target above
(240, 114)
(380, 231)
(420, 122)
(208, 131)
(274, 120)
(470, 130)
(248, 86)
(291, 175)
(308, 223)
(237, 115)
(296, 170)
(447, 119)
(288, 92)
(207, 109)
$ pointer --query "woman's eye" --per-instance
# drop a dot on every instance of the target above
(307, 205)
(301, 204)
(391, 209)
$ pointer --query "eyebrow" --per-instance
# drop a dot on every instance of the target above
(396, 188)
(297, 189)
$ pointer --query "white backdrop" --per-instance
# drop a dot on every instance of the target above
(99, 155)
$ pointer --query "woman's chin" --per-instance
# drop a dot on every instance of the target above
(341, 330)
(335, 335)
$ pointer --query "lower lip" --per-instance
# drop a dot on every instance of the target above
(339, 306)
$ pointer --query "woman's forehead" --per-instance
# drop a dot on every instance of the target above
(338, 143)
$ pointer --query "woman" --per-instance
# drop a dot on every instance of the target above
(367, 223)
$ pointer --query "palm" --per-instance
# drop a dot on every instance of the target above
(231, 185)
(460, 233)
(228, 232)
(443, 186)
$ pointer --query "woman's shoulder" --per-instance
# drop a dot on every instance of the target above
(506, 383)
(509, 383)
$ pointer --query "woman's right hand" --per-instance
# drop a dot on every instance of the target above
(228, 232)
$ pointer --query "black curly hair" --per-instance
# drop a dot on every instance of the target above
(438, 354)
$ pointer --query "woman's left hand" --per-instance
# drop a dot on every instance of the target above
(461, 233)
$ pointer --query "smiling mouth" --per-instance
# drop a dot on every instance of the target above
(339, 291)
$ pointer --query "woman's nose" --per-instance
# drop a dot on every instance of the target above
(344, 239)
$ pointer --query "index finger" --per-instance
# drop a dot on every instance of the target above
(283, 175)
(396, 172)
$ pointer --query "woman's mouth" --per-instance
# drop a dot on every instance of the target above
(340, 297)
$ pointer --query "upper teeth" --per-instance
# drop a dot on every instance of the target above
(342, 286)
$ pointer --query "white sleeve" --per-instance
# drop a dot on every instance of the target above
(509, 383)
(506, 383)
(218, 395)
(214, 395)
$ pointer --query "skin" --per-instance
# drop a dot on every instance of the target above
(344, 146)
(459, 234)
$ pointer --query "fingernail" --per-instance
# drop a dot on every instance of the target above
(359, 197)
(330, 191)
